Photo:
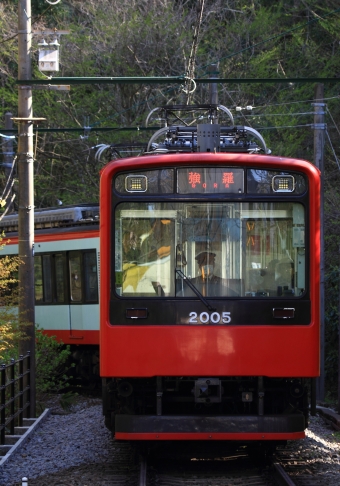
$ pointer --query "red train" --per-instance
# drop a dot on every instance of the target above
(209, 314)
(66, 264)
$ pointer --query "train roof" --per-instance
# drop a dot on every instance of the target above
(61, 217)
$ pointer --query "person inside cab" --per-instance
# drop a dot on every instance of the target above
(207, 283)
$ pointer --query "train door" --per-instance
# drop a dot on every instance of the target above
(83, 285)
(51, 310)
(76, 290)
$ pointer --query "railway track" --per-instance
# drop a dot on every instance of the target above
(237, 468)
(297, 469)
(55, 457)
(137, 467)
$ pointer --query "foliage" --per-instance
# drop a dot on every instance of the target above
(11, 329)
(68, 399)
(257, 39)
(51, 364)
(51, 356)
(138, 38)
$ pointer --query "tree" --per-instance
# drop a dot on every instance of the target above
(11, 330)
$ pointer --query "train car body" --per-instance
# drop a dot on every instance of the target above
(66, 264)
(209, 296)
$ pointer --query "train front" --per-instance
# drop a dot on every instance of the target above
(209, 296)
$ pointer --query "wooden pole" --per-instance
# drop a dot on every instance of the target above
(319, 144)
(25, 199)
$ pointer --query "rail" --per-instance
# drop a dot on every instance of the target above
(14, 394)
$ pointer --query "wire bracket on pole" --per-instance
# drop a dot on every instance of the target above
(28, 209)
(319, 126)
(27, 120)
(28, 158)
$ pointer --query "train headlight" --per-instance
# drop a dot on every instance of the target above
(283, 183)
(136, 183)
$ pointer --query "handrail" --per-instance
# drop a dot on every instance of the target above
(14, 394)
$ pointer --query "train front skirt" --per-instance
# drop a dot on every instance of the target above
(233, 427)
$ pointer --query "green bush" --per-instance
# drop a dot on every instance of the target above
(51, 364)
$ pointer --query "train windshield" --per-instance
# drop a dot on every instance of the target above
(228, 249)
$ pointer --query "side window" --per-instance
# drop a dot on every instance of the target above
(47, 278)
(53, 271)
(75, 275)
(38, 279)
(60, 267)
(90, 274)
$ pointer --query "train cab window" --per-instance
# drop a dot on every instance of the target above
(90, 274)
(75, 274)
(225, 249)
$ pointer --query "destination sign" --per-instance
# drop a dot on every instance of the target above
(210, 180)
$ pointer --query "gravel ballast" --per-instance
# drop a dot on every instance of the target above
(62, 441)
(65, 440)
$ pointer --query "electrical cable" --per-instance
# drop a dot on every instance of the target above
(9, 205)
(276, 114)
(8, 187)
(287, 126)
(34, 21)
(335, 125)
(7, 136)
(330, 143)
(192, 57)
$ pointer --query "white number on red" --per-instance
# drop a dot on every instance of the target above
(206, 318)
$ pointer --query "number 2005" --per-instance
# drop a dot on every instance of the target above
(206, 318)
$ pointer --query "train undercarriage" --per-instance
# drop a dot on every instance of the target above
(199, 408)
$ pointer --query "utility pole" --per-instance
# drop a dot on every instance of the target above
(319, 144)
(213, 74)
(26, 195)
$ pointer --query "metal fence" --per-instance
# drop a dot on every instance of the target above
(15, 395)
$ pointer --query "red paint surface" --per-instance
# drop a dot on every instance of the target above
(209, 350)
(75, 337)
(213, 436)
(57, 236)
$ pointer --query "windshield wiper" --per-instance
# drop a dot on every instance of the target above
(194, 289)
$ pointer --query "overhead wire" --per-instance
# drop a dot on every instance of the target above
(332, 148)
(285, 126)
(189, 74)
(34, 21)
(9, 184)
(335, 125)
(192, 57)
